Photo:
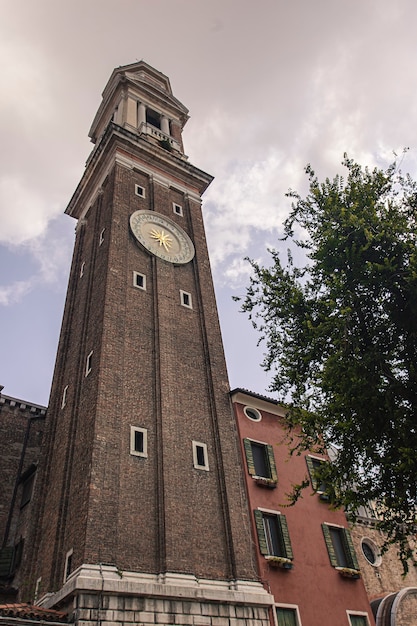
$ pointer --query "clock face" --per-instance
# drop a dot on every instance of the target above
(162, 237)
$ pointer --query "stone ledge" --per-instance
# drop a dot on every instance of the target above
(107, 579)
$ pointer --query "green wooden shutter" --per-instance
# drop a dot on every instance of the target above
(6, 560)
(349, 549)
(249, 456)
(310, 467)
(271, 461)
(329, 544)
(285, 535)
(259, 520)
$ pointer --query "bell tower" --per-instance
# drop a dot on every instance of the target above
(142, 500)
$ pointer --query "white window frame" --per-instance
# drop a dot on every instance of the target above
(294, 607)
(360, 613)
(64, 396)
(89, 363)
(182, 295)
(177, 208)
(143, 286)
(36, 593)
(251, 409)
(133, 451)
(67, 559)
(372, 545)
(82, 268)
(101, 240)
(140, 191)
(199, 444)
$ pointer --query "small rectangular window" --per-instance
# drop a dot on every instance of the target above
(101, 237)
(140, 191)
(89, 363)
(37, 589)
(186, 299)
(200, 459)
(27, 489)
(358, 619)
(177, 208)
(287, 616)
(82, 268)
(139, 280)
(138, 441)
(68, 564)
(64, 397)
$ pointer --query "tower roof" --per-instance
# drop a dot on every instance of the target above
(145, 81)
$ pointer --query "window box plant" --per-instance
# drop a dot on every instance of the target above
(279, 561)
(262, 481)
(348, 572)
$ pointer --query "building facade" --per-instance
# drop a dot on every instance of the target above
(305, 552)
(159, 497)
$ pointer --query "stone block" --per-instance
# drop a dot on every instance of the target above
(165, 618)
(145, 616)
(132, 603)
(220, 621)
(227, 610)
(209, 609)
(202, 620)
(184, 620)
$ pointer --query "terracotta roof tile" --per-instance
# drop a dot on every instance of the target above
(31, 611)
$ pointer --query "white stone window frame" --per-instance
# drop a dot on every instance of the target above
(89, 363)
(177, 208)
(64, 397)
(37, 586)
(140, 191)
(101, 240)
(144, 452)
(135, 283)
(350, 612)
(251, 409)
(184, 296)
(68, 564)
(199, 444)
(294, 607)
(372, 546)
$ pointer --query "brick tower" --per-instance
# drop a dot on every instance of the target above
(142, 498)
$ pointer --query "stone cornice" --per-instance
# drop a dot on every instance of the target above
(22, 405)
(136, 152)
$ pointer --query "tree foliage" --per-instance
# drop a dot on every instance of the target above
(341, 337)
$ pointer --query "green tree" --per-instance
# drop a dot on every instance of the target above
(341, 337)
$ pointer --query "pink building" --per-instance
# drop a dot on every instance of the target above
(305, 554)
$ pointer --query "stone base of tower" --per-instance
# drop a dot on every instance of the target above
(102, 594)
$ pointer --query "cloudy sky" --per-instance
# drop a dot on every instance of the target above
(271, 85)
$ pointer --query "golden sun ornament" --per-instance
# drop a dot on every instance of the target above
(164, 239)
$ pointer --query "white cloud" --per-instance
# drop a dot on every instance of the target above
(14, 293)
(24, 213)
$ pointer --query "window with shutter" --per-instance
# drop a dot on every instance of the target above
(340, 548)
(318, 485)
(261, 462)
(273, 537)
